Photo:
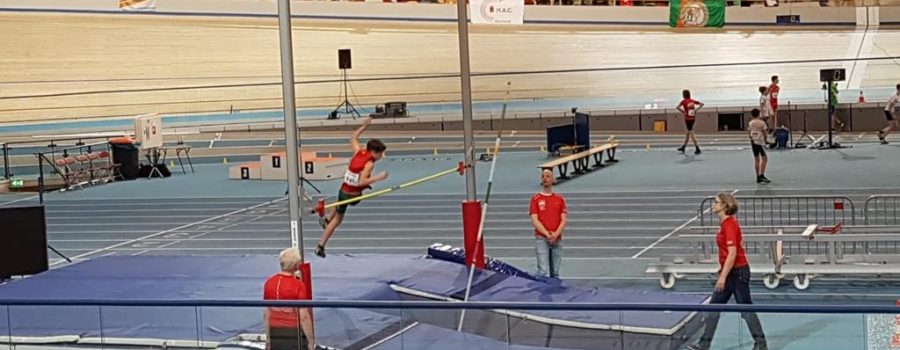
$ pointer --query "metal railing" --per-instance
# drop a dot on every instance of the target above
(62, 153)
(882, 210)
(52, 144)
(210, 324)
(468, 305)
(787, 211)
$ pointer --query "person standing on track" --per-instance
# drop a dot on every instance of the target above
(357, 178)
(765, 106)
(836, 123)
(734, 275)
(689, 107)
(758, 141)
(891, 113)
(548, 216)
(288, 328)
(772, 94)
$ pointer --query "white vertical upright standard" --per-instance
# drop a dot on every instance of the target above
(466, 83)
(291, 133)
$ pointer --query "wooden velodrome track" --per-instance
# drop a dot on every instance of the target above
(59, 66)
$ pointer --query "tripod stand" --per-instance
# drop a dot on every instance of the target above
(345, 103)
(804, 135)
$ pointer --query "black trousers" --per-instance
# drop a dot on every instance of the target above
(287, 339)
(738, 284)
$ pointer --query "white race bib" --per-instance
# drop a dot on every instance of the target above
(692, 112)
(775, 95)
(351, 178)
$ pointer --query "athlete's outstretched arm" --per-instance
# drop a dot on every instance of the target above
(354, 140)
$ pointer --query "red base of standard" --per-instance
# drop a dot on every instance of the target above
(320, 208)
(306, 273)
(471, 222)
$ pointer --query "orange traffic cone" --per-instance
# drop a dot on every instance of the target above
(862, 98)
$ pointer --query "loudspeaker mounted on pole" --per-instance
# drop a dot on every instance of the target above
(345, 107)
(344, 60)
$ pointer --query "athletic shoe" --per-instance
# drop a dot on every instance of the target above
(762, 178)
(760, 346)
(881, 137)
(320, 250)
(697, 151)
(681, 149)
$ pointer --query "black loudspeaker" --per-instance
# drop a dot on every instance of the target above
(23, 241)
(836, 74)
(344, 61)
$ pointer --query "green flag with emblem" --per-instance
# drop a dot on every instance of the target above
(696, 13)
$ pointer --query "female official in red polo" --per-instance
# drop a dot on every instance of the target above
(288, 328)
(734, 274)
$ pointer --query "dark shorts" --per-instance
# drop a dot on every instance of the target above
(345, 196)
(888, 115)
(287, 339)
(758, 151)
(689, 124)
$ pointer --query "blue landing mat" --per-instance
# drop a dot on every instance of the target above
(340, 277)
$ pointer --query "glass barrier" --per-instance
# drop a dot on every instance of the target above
(489, 326)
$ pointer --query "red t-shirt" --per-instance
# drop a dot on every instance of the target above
(284, 287)
(354, 172)
(730, 235)
(773, 96)
(690, 108)
(549, 209)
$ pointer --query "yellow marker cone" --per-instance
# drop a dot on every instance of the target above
(224, 160)
(648, 146)
(171, 163)
(543, 149)
(435, 151)
(329, 155)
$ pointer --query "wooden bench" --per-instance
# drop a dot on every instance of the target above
(581, 161)
(567, 149)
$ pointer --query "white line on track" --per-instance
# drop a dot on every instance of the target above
(679, 228)
(169, 199)
(177, 210)
(191, 238)
(18, 200)
(114, 246)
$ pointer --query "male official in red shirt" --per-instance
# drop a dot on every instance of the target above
(288, 328)
(548, 216)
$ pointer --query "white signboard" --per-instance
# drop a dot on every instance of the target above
(148, 131)
(497, 11)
